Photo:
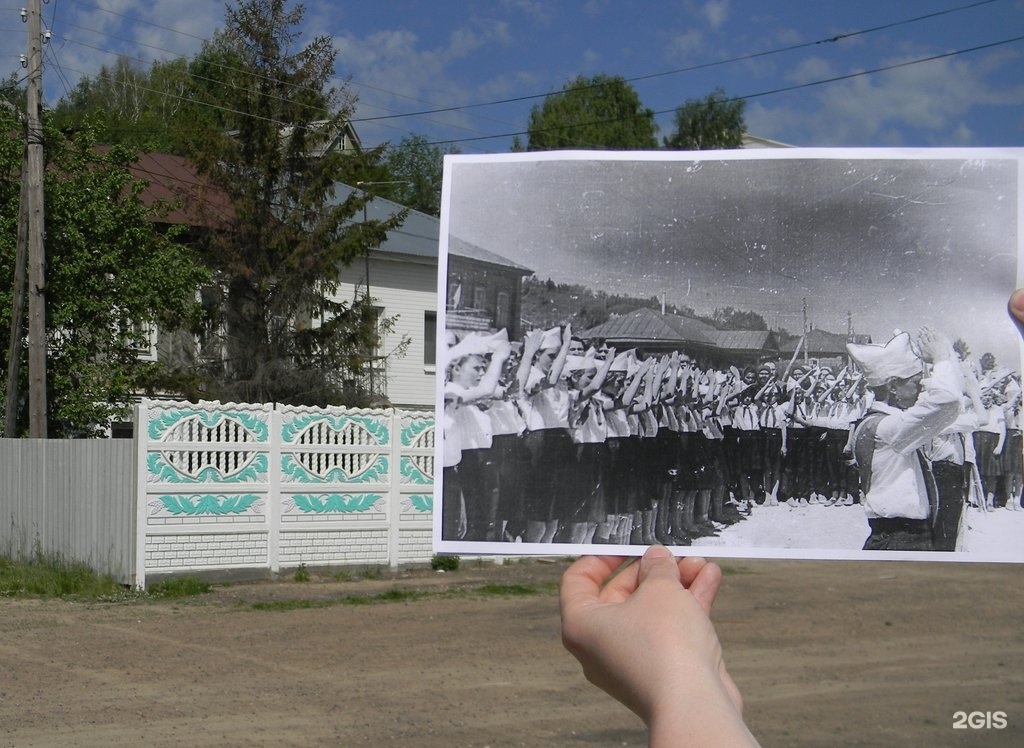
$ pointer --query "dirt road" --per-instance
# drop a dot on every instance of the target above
(826, 654)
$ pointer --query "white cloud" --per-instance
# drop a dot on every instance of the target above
(933, 102)
(716, 12)
(87, 37)
(392, 71)
(591, 59)
(683, 45)
(534, 9)
(810, 69)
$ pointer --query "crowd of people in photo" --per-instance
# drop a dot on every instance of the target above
(558, 439)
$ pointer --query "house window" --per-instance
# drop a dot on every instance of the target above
(455, 293)
(429, 338)
(479, 297)
(378, 336)
(146, 337)
(501, 313)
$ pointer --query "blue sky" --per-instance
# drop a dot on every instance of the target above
(416, 56)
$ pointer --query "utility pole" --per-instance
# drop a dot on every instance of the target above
(804, 310)
(18, 310)
(36, 248)
(366, 259)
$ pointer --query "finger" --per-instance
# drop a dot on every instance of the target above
(658, 564)
(705, 586)
(623, 583)
(582, 581)
(689, 567)
(1016, 308)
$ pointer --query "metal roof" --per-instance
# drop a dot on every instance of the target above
(746, 340)
(821, 342)
(175, 179)
(652, 326)
(461, 248)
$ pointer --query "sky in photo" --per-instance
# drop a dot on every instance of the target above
(871, 240)
(813, 72)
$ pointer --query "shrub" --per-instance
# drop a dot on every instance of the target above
(444, 563)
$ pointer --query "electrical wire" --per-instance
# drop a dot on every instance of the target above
(782, 89)
(465, 107)
(381, 120)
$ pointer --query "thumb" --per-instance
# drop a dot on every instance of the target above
(1016, 308)
(658, 563)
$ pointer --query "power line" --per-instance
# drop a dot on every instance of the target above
(437, 110)
(783, 89)
(691, 68)
(380, 120)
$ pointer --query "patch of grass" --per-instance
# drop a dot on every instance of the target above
(398, 596)
(391, 596)
(444, 563)
(283, 605)
(730, 570)
(343, 576)
(372, 572)
(511, 590)
(178, 587)
(52, 576)
(302, 574)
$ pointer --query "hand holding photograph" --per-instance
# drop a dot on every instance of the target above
(774, 353)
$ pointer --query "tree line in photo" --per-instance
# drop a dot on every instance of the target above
(558, 439)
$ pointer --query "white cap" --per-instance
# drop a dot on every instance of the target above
(880, 363)
(551, 338)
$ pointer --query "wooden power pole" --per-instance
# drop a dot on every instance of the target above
(17, 312)
(36, 247)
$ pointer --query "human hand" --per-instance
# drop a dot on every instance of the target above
(502, 350)
(934, 346)
(531, 342)
(644, 637)
(1016, 308)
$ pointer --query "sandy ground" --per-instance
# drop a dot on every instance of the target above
(825, 653)
(997, 534)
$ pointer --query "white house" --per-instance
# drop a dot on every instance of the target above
(401, 276)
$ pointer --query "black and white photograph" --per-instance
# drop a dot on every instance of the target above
(779, 353)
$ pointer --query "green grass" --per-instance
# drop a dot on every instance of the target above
(391, 596)
(405, 596)
(178, 587)
(512, 590)
(53, 577)
(730, 570)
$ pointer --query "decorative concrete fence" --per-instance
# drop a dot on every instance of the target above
(236, 487)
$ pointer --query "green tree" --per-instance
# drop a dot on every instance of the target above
(417, 166)
(736, 319)
(274, 150)
(148, 109)
(599, 112)
(711, 123)
(111, 277)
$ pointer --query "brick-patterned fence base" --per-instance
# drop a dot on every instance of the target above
(254, 487)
